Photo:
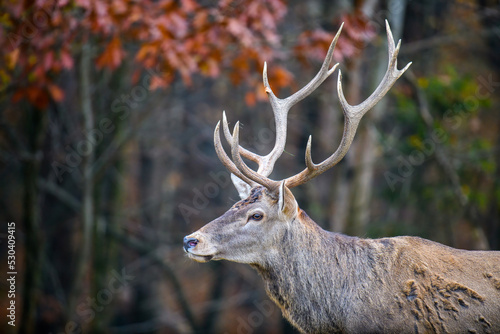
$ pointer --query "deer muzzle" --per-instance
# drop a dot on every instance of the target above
(197, 248)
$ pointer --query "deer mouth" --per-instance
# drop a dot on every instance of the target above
(199, 258)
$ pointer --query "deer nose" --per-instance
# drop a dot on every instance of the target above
(190, 243)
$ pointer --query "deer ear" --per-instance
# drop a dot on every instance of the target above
(241, 186)
(286, 201)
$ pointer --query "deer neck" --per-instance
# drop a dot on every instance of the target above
(308, 256)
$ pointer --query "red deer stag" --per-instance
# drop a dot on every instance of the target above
(327, 282)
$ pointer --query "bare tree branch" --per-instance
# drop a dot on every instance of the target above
(442, 40)
(64, 196)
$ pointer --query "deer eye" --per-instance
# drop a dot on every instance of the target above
(257, 216)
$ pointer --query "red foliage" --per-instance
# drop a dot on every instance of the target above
(112, 55)
(174, 37)
(356, 33)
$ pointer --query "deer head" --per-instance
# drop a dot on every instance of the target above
(250, 226)
(255, 226)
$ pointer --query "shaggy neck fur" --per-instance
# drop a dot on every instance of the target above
(299, 279)
(331, 283)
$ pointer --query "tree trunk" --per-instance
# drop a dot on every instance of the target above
(34, 241)
(365, 147)
(87, 209)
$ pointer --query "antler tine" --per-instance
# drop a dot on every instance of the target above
(224, 158)
(247, 172)
(243, 151)
(391, 75)
(322, 74)
(265, 167)
(352, 116)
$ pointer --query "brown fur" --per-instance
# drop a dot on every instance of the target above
(331, 283)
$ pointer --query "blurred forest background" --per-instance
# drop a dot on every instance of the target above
(107, 112)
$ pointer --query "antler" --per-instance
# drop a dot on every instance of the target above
(352, 114)
(280, 109)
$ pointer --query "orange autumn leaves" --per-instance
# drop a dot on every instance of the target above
(176, 38)
(356, 33)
